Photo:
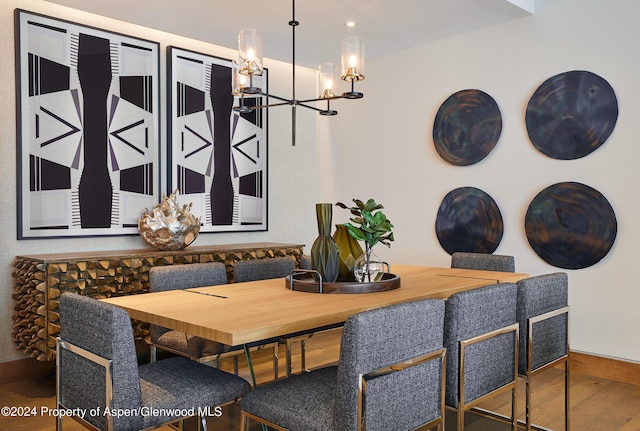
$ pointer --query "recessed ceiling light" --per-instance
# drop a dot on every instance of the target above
(350, 24)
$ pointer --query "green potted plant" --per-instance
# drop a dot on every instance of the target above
(371, 226)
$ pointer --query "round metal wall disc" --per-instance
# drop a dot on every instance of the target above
(570, 225)
(469, 220)
(467, 127)
(571, 115)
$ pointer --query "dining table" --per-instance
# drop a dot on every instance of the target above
(241, 313)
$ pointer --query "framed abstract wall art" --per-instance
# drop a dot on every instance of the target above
(217, 156)
(88, 128)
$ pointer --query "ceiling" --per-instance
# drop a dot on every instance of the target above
(387, 26)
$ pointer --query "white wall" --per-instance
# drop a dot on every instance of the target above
(382, 148)
(293, 177)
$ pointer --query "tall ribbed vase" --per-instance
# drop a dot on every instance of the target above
(349, 250)
(324, 251)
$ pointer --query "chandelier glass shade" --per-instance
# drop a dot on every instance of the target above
(250, 64)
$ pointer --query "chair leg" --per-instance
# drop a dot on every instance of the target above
(527, 402)
(460, 415)
(288, 348)
(202, 423)
(153, 353)
(567, 403)
(244, 423)
(528, 423)
(514, 404)
(303, 354)
(275, 362)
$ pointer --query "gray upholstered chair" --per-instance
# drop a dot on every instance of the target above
(543, 315)
(390, 376)
(97, 369)
(262, 269)
(172, 277)
(483, 261)
(277, 267)
(481, 337)
(305, 261)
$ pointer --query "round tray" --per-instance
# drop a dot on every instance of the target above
(306, 283)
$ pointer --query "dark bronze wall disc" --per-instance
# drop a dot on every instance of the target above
(570, 225)
(467, 127)
(469, 220)
(571, 115)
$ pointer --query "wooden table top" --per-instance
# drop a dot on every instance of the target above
(244, 312)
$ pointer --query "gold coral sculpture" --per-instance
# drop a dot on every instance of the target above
(167, 226)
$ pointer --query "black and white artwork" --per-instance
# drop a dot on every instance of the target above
(217, 156)
(88, 138)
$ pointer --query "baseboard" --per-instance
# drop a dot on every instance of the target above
(607, 368)
(21, 369)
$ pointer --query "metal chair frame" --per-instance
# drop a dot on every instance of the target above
(439, 354)
(472, 406)
(527, 424)
(107, 364)
(399, 366)
(530, 372)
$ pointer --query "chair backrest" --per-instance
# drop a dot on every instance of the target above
(539, 295)
(262, 269)
(171, 277)
(483, 261)
(382, 337)
(488, 364)
(104, 330)
(305, 262)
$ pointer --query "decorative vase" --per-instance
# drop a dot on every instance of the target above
(368, 267)
(348, 251)
(324, 251)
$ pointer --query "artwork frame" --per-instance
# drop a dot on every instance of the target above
(219, 163)
(88, 128)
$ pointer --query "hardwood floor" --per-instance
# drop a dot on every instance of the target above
(596, 404)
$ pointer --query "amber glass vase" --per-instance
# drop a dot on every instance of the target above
(324, 251)
(349, 250)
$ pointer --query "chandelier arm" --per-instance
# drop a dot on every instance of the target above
(309, 106)
(270, 105)
(319, 99)
(292, 103)
(282, 99)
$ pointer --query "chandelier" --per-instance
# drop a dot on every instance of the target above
(250, 64)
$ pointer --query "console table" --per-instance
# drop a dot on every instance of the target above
(41, 279)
